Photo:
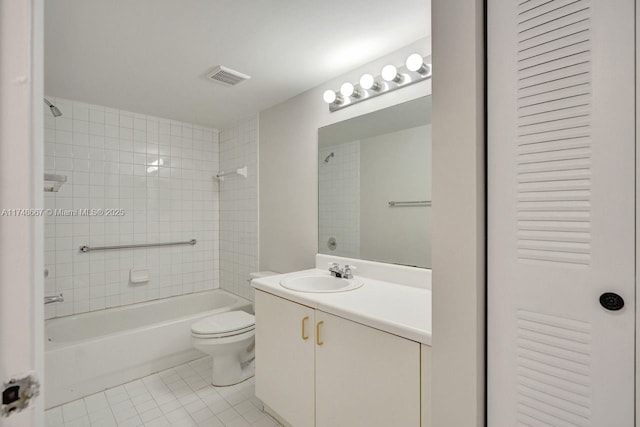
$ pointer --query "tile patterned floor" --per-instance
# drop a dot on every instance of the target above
(182, 396)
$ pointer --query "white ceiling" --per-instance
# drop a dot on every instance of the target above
(152, 56)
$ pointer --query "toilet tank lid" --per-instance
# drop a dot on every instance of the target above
(224, 322)
(265, 273)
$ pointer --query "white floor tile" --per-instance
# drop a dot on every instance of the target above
(78, 422)
(151, 414)
(178, 397)
(195, 406)
(141, 398)
(266, 422)
(99, 414)
(238, 422)
(146, 406)
(158, 422)
(202, 415)
(219, 406)
(228, 415)
(169, 406)
(53, 418)
(73, 410)
(211, 422)
(96, 401)
(105, 422)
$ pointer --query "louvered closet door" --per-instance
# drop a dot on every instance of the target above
(561, 212)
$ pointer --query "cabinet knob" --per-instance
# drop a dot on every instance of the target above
(304, 334)
(318, 332)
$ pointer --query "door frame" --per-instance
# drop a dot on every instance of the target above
(460, 23)
(459, 213)
(637, 224)
(21, 184)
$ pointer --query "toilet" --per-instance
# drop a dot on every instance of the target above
(229, 338)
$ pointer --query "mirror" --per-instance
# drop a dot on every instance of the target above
(374, 177)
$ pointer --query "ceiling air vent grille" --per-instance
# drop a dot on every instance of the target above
(227, 76)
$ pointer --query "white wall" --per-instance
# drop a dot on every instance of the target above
(396, 166)
(239, 208)
(160, 172)
(288, 162)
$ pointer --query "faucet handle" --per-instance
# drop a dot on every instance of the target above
(348, 270)
(333, 265)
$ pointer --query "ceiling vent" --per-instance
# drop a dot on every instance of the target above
(227, 76)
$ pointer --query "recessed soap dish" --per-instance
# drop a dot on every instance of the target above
(139, 275)
(53, 182)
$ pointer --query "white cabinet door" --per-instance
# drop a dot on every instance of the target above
(560, 212)
(285, 358)
(365, 377)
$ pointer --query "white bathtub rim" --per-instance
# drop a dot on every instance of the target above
(54, 345)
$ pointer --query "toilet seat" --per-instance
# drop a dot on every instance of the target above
(223, 325)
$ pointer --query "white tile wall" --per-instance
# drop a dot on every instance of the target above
(239, 208)
(339, 199)
(159, 172)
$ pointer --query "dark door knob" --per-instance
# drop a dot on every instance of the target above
(611, 301)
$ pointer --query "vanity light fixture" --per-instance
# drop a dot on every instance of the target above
(330, 97)
(390, 74)
(416, 69)
(368, 82)
(348, 90)
(416, 63)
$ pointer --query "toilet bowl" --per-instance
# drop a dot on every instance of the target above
(229, 338)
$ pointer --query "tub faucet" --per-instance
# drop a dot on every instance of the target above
(54, 298)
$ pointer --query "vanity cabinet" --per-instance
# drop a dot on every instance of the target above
(317, 369)
(285, 350)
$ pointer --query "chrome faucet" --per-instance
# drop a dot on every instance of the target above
(347, 271)
(341, 273)
(335, 270)
(54, 298)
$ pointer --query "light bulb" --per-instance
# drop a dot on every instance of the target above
(329, 96)
(346, 89)
(390, 73)
(367, 81)
(414, 62)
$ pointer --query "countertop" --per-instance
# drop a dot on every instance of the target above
(397, 309)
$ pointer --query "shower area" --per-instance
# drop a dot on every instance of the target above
(138, 227)
(339, 195)
(374, 186)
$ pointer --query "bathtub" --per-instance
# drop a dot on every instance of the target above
(90, 352)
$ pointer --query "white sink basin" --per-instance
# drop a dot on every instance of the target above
(320, 283)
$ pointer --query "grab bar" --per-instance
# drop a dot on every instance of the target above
(141, 245)
(393, 204)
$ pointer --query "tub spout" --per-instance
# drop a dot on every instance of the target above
(54, 298)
